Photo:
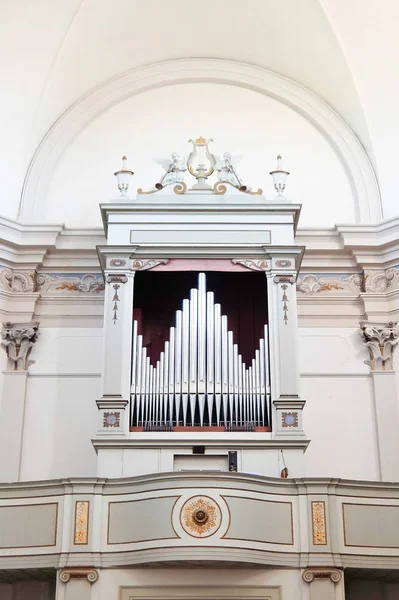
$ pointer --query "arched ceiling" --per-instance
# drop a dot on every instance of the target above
(57, 52)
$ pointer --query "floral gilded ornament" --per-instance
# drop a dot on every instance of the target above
(81, 522)
(200, 516)
(319, 523)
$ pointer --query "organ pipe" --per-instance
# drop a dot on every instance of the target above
(200, 377)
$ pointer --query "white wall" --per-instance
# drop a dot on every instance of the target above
(158, 122)
(339, 416)
(61, 414)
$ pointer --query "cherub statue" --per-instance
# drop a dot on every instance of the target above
(174, 169)
(226, 168)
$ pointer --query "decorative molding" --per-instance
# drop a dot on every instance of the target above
(200, 516)
(381, 341)
(117, 262)
(146, 264)
(111, 419)
(18, 282)
(81, 522)
(18, 340)
(319, 523)
(312, 284)
(255, 265)
(381, 281)
(28, 282)
(283, 263)
(76, 573)
(289, 419)
(116, 279)
(284, 300)
(87, 284)
(309, 575)
(284, 279)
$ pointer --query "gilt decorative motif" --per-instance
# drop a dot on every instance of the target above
(81, 522)
(88, 284)
(312, 284)
(254, 265)
(381, 341)
(201, 164)
(200, 516)
(18, 340)
(146, 264)
(319, 523)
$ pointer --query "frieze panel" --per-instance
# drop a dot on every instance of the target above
(315, 284)
(27, 282)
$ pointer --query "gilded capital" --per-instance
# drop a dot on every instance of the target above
(381, 341)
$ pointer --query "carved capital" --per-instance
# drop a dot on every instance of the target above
(381, 341)
(310, 575)
(255, 265)
(284, 279)
(18, 340)
(90, 574)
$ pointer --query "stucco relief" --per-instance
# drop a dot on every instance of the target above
(24, 282)
(18, 340)
(378, 282)
(381, 341)
(200, 516)
(314, 284)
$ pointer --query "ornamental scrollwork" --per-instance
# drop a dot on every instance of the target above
(310, 575)
(140, 264)
(67, 574)
(253, 264)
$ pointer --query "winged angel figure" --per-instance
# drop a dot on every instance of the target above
(175, 168)
(226, 168)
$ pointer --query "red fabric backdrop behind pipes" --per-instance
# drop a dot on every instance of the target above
(157, 296)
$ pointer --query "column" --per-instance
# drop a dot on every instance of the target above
(283, 332)
(118, 325)
(118, 331)
(18, 339)
(381, 341)
(76, 583)
(325, 584)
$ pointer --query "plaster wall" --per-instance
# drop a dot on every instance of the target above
(61, 414)
(337, 387)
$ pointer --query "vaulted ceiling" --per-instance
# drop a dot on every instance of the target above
(54, 53)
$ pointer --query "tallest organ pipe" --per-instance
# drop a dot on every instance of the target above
(200, 377)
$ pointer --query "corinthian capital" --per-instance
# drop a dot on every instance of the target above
(18, 340)
(381, 341)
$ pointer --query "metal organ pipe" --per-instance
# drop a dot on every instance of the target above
(200, 377)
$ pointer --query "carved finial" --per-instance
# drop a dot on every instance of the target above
(200, 141)
(381, 341)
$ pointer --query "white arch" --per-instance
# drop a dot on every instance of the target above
(364, 185)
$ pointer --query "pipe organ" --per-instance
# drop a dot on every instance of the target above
(200, 379)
